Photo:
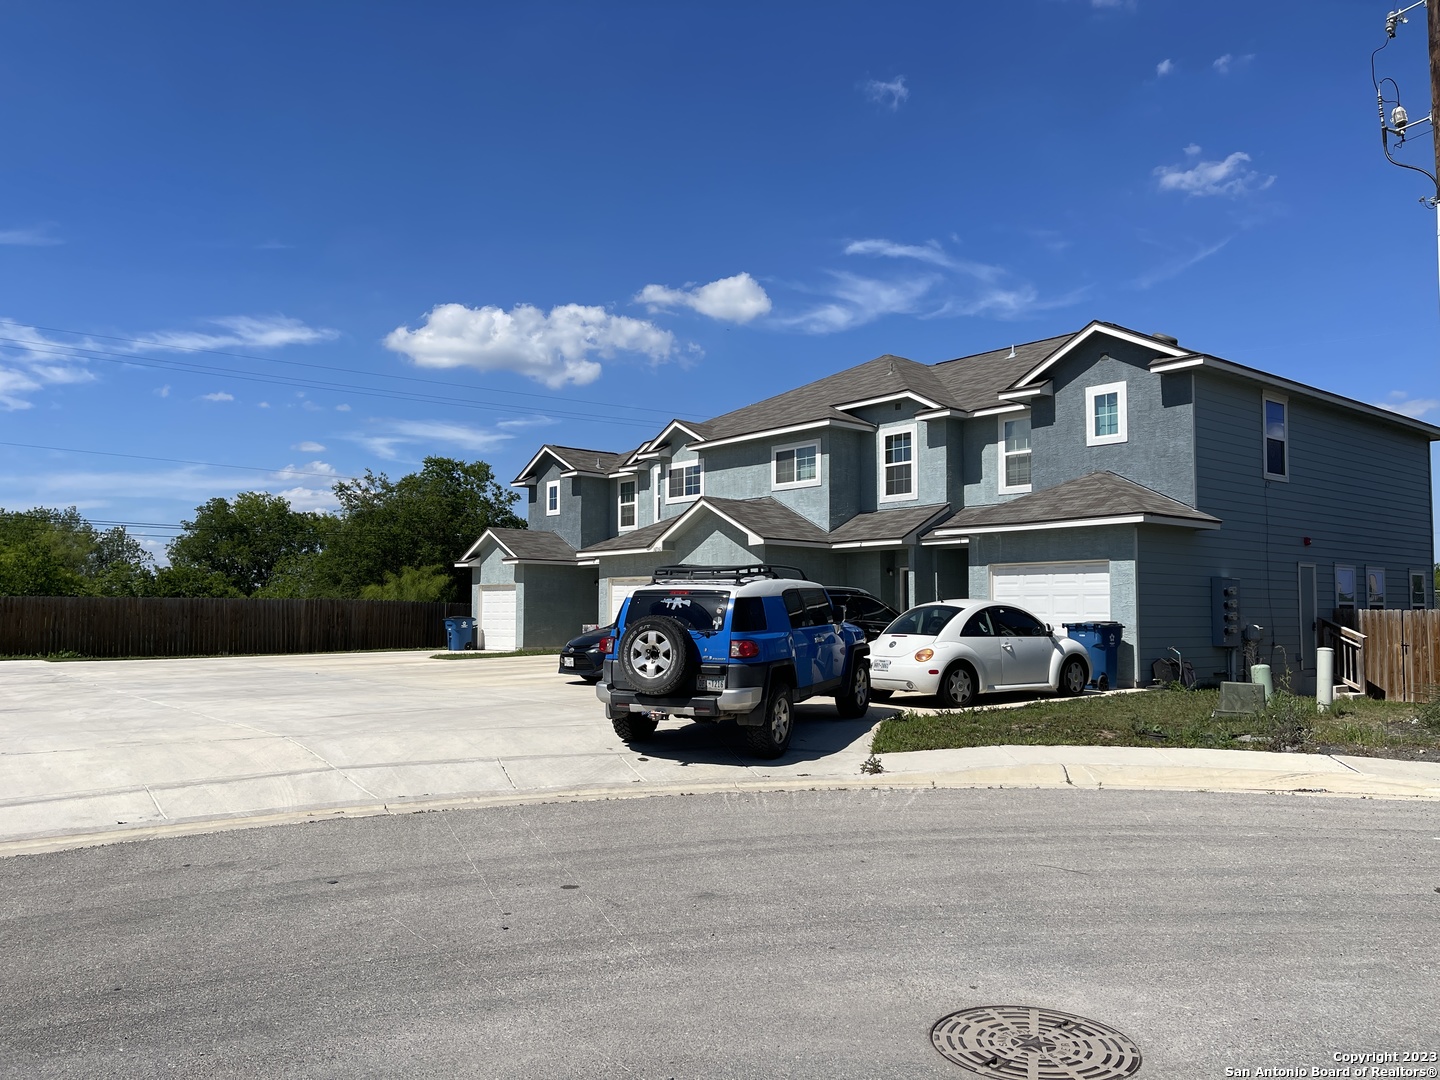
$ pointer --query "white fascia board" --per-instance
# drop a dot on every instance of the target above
(582, 472)
(948, 541)
(629, 470)
(899, 396)
(519, 479)
(751, 537)
(517, 561)
(771, 433)
(1230, 368)
(468, 558)
(943, 414)
(1080, 523)
(665, 432)
(1044, 389)
(996, 410)
(851, 545)
(593, 557)
(1090, 331)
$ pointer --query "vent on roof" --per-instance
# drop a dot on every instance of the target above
(1167, 338)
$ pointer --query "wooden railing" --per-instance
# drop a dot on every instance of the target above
(1349, 646)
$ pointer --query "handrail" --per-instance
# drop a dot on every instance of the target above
(1349, 646)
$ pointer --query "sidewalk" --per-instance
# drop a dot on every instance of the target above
(98, 752)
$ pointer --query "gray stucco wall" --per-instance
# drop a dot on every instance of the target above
(552, 603)
(1116, 544)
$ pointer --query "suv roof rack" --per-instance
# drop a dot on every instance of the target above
(692, 572)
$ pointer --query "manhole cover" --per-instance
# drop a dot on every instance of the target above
(1028, 1043)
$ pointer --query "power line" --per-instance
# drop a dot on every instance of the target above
(181, 461)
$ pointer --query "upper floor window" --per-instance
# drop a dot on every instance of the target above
(1344, 586)
(685, 481)
(1417, 589)
(627, 504)
(795, 466)
(1105, 414)
(1277, 437)
(1014, 453)
(897, 464)
(552, 497)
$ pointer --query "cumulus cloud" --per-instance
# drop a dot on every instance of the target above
(889, 94)
(553, 348)
(1229, 177)
(309, 448)
(1398, 401)
(1164, 67)
(1227, 63)
(310, 468)
(737, 299)
(1192, 150)
(218, 395)
(35, 236)
(303, 498)
(13, 384)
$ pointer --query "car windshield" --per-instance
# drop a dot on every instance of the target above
(924, 621)
(698, 610)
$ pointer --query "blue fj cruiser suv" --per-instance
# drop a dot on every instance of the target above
(737, 642)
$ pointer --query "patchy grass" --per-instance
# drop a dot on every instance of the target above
(1356, 726)
(473, 655)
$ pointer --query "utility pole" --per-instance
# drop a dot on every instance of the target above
(1398, 123)
(1432, 19)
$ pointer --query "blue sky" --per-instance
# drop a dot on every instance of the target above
(305, 239)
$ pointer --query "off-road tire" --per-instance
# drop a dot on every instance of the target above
(772, 737)
(656, 655)
(632, 727)
(957, 686)
(1073, 677)
(854, 700)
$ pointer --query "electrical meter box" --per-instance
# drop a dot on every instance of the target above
(1225, 612)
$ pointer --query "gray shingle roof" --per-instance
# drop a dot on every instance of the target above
(973, 381)
(635, 538)
(886, 524)
(773, 521)
(1096, 495)
(598, 461)
(534, 544)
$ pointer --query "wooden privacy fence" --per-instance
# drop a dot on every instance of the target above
(156, 626)
(1402, 652)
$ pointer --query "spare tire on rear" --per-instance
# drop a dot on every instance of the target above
(657, 655)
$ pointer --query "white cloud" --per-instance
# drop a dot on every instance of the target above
(1228, 177)
(391, 435)
(1178, 266)
(997, 303)
(310, 406)
(857, 300)
(302, 499)
(263, 405)
(890, 94)
(35, 236)
(1225, 64)
(309, 448)
(310, 468)
(219, 395)
(12, 384)
(553, 349)
(243, 331)
(1398, 401)
(1164, 67)
(527, 422)
(163, 391)
(737, 299)
(1192, 150)
(342, 407)
(929, 252)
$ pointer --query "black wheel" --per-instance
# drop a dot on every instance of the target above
(655, 654)
(770, 739)
(854, 700)
(632, 727)
(957, 687)
(469, 644)
(1073, 676)
(877, 694)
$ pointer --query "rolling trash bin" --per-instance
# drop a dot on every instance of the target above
(460, 633)
(1102, 642)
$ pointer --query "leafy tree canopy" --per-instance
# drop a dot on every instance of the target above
(46, 552)
(244, 540)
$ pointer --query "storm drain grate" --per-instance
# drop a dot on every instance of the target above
(1023, 1042)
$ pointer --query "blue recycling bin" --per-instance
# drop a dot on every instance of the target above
(1102, 642)
(460, 633)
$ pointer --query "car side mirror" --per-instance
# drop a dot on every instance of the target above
(1049, 629)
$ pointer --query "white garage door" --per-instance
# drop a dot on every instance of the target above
(620, 591)
(497, 617)
(1057, 593)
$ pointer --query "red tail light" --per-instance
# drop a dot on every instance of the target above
(744, 650)
(606, 644)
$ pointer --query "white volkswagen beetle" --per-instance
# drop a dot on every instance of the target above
(957, 649)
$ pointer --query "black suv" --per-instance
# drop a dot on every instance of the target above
(741, 642)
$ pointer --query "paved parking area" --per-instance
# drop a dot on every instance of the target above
(105, 746)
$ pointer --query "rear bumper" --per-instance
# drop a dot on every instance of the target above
(742, 699)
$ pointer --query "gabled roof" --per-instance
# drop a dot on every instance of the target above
(764, 521)
(880, 527)
(524, 545)
(1099, 498)
(973, 382)
(1149, 341)
(573, 460)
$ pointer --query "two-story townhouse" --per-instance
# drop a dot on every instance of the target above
(1099, 475)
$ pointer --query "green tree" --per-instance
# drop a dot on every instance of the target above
(47, 552)
(424, 583)
(425, 519)
(118, 566)
(242, 541)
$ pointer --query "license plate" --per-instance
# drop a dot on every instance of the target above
(715, 685)
(880, 665)
(567, 661)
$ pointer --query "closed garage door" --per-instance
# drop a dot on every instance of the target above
(620, 591)
(497, 617)
(1057, 593)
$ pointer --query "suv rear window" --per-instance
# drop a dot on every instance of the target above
(696, 609)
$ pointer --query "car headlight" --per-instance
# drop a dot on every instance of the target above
(923, 655)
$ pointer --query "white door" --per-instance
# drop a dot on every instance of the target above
(497, 617)
(1057, 593)
(620, 590)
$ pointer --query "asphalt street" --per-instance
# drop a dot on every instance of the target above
(813, 934)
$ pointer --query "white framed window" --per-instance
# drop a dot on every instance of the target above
(655, 490)
(795, 466)
(1375, 586)
(1417, 590)
(1105, 414)
(1344, 586)
(552, 498)
(627, 505)
(1014, 453)
(1276, 451)
(897, 464)
(685, 483)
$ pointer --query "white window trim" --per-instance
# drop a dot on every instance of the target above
(880, 436)
(1354, 586)
(1280, 399)
(1000, 455)
(1121, 433)
(697, 463)
(552, 487)
(1370, 594)
(657, 474)
(775, 453)
(620, 505)
(1424, 592)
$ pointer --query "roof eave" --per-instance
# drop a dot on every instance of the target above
(1079, 523)
(1094, 328)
